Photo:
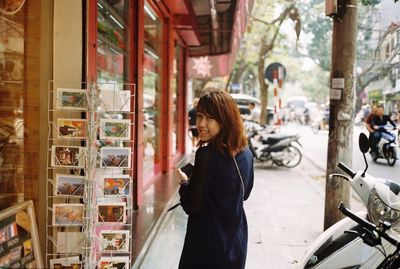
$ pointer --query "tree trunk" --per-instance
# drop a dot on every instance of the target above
(263, 90)
(265, 48)
(341, 112)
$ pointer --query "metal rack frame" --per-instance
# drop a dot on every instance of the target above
(122, 94)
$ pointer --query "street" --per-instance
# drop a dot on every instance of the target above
(316, 147)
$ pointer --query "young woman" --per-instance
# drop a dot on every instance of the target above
(222, 178)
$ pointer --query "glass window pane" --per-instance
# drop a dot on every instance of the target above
(176, 97)
(152, 89)
(112, 41)
(12, 70)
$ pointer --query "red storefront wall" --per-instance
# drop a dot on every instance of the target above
(136, 65)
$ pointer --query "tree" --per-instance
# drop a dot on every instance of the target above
(320, 28)
(269, 35)
(375, 68)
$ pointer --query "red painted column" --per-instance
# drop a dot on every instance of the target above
(137, 76)
(91, 35)
(182, 116)
(167, 99)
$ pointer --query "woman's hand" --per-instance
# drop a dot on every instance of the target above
(182, 177)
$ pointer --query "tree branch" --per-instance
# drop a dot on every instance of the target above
(281, 17)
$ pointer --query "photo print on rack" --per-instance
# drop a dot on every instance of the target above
(114, 240)
(69, 185)
(116, 185)
(120, 262)
(71, 128)
(115, 157)
(114, 212)
(67, 214)
(115, 129)
(72, 99)
(67, 156)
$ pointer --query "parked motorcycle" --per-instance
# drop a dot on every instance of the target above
(386, 146)
(279, 149)
(319, 123)
(370, 242)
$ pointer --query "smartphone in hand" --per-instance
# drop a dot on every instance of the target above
(187, 169)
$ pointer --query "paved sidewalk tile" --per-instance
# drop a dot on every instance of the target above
(284, 212)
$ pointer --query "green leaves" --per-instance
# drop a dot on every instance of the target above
(371, 2)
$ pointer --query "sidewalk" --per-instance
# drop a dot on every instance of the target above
(284, 212)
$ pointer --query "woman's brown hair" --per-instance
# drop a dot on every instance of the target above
(220, 106)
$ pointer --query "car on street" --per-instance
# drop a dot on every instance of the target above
(243, 101)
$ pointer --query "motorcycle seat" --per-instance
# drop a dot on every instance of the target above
(275, 139)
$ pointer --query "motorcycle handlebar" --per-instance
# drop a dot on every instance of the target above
(368, 225)
(346, 169)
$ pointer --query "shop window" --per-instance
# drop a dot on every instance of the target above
(112, 41)
(12, 71)
(152, 91)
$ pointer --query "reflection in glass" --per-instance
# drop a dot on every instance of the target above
(152, 90)
(12, 31)
(175, 94)
(112, 44)
(113, 61)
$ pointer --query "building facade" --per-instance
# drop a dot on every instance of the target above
(149, 47)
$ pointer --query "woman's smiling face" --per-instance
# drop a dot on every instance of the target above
(207, 126)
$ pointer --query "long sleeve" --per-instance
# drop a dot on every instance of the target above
(194, 193)
(250, 183)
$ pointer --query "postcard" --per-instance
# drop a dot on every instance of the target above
(67, 214)
(115, 129)
(16, 254)
(8, 232)
(66, 263)
(71, 128)
(69, 185)
(73, 99)
(111, 212)
(27, 247)
(115, 157)
(70, 242)
(114, 240)
(67, 156)
(116, 185)
(120, 262)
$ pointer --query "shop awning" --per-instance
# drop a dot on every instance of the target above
(212, 29)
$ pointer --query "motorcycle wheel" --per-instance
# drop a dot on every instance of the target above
(314, 129)
(391, 157)
(292, 157)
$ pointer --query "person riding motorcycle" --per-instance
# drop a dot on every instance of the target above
(368, 120)
(380, 119)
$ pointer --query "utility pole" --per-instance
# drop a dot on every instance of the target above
(341, 105)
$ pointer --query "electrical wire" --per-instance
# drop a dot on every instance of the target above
(383, 251)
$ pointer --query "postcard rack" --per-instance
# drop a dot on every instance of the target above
(89, 175)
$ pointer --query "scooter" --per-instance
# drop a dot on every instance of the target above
(386, 146)
(367, 242)
(279, 149)
(319, 124)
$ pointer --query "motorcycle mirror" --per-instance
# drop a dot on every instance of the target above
(363, 143)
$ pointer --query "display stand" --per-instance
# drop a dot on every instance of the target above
(89, 189)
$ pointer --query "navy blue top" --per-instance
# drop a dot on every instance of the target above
(216, 233)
